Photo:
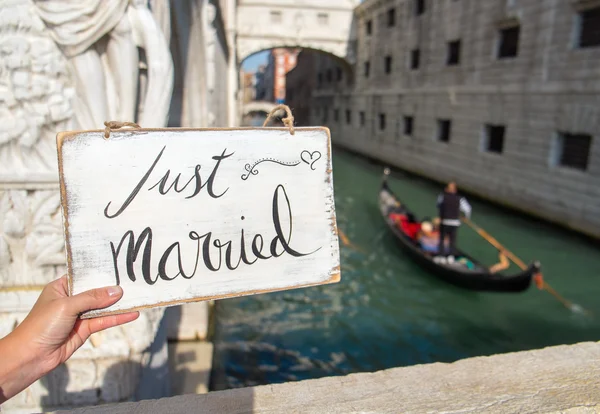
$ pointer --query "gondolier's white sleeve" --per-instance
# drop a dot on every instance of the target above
(465, 207)
(440, 199)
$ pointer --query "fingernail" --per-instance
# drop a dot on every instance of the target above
(114, 290)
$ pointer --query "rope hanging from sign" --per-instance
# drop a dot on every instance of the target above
(288, 121)
(110, 125)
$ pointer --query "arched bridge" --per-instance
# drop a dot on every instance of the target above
(257, 106)
(327, 26)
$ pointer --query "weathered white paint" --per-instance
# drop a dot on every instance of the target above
(97, 171)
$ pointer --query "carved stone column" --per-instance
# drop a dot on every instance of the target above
(37, 90)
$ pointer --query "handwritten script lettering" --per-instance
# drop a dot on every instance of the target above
(208, 247)
(164, 187)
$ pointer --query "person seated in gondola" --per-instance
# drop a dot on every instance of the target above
(428, 238)
(405, 222)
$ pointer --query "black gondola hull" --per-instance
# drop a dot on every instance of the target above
(478, 280)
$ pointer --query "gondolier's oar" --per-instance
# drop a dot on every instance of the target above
(346, 241)
(539, 280)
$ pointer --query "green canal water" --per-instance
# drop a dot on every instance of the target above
(387, 312)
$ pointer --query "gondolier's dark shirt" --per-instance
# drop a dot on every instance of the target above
(450, 205)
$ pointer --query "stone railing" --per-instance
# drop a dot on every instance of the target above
(556, 379)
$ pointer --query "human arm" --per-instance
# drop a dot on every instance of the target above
(440, 199)
(465, 207)
(501, 265)
(52, 332)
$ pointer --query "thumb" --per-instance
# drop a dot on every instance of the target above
(94, 299)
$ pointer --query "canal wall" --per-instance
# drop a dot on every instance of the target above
(561, 379)
(519, 130)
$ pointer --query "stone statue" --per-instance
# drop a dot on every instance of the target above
(70, 65)
(100, 40)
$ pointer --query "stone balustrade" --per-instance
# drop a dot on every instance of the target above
(562, 379)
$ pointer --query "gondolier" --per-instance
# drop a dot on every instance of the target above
(450, 204)
(465, 271)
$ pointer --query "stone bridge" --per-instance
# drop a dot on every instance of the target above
(257, 106)
(310, 24)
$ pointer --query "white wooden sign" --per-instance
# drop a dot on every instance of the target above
(176, 215)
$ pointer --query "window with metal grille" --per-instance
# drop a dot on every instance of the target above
(275, 16)
(387, 64)
(322, 18)
(362, 118)
(369, 27)
(419, 7)
(509, 42)
(415, 56)
(381, 121)
(589, 28)
(453, 57)
(443, 130)
(574, 150)
(494, 138)
(391, 17)
(408, 125)
(348, 116)
(367, 68)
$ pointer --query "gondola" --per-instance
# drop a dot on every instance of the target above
(465, 271)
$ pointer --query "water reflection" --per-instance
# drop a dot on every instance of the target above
(388, 312)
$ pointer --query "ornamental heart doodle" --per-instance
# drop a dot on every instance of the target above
(310, 158)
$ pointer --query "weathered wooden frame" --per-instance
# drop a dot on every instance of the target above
(63, 137)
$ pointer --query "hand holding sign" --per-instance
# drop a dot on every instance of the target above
(171, 215)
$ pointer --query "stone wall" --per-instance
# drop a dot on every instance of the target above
(550, 87)
(38, 93)
(562, 379)
(299, 85)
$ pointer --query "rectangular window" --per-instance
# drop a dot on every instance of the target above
(369, 27)
(362, 118)
(419, 7)
(391, 17)
(381, 121)
(326, 115)
(387, 64)
(275, 16)
(348, 117)
(415, 56)
(443, 130)
(319, 80)
(329, 76)
(338, 73)
(573, 150)
(509, 42)
(453, 57)
(408, 125)
(336, 115)
(494, 138)
(367, 68)
(589, 28)
(322, 19)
